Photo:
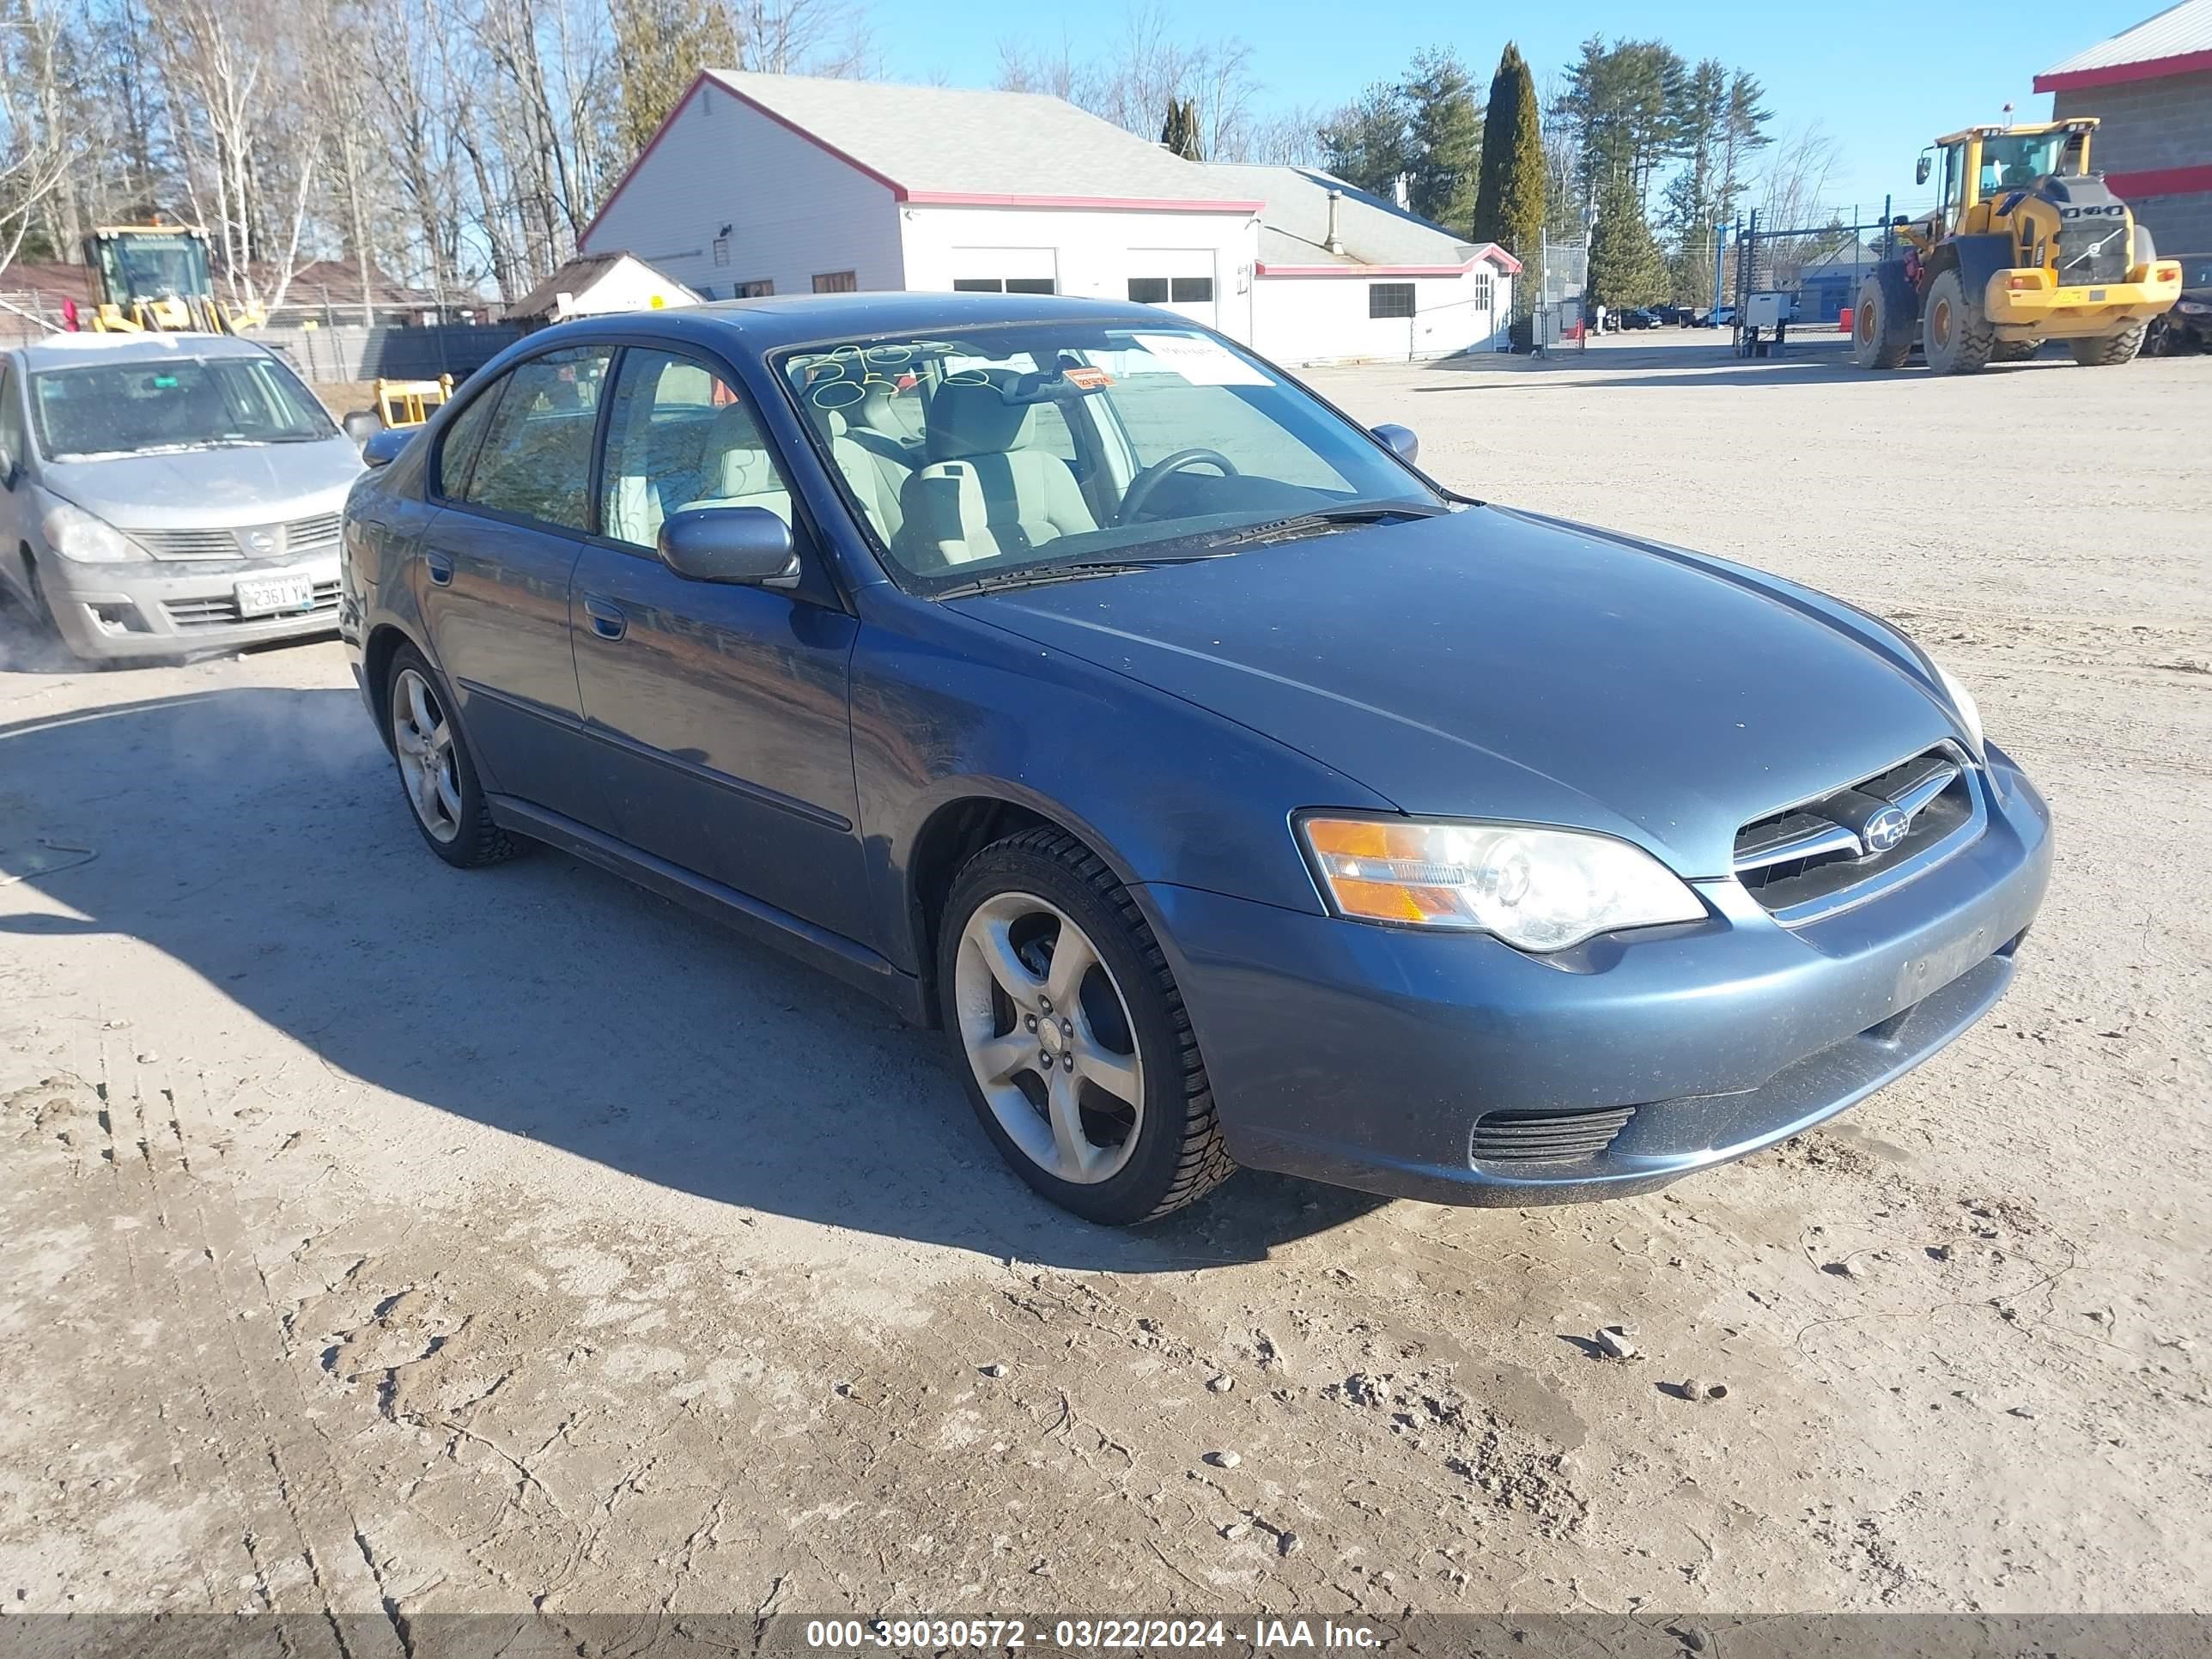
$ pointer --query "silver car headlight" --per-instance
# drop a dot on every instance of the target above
(1962, 704)
(83, 538)
(1539, 890)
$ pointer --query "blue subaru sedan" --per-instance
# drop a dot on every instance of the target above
(1229, 792)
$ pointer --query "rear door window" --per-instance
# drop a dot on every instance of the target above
(536, 459)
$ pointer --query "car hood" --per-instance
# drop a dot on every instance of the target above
(1491, 664)
(256, 484)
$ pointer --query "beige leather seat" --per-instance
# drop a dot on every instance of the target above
(875, 476)
(985, 491)
(736, 468)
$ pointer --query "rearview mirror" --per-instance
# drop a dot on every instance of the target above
(1399, 441)
(1920, 173)
(741, 546)
(7, 469)
(385, 444)
(360, 426)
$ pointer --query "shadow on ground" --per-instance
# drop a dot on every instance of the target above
(258, 837)
(1819, 360)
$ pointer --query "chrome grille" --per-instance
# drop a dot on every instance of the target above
(1546, 1137)
(1812, 858)
(317, 534)
(220, 610)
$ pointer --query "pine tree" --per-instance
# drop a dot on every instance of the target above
(1626, 266)
(1444, 130)
(1179, 134)
(1365, 143)
(661, 45)
(1508, 204)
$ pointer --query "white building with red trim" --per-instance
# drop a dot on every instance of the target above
(2150, 88)
(772, 183)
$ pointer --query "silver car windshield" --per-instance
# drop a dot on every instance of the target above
(93, 411)
(1016, 452)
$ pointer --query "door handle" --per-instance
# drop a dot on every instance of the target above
(440, 568)
(607, 619)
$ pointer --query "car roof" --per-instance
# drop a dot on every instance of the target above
(768, 324)
(90, 346)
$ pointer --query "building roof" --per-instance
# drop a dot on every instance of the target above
(577, 276)
(1374, 233)
(2178, 41)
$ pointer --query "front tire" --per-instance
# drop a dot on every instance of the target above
(1072, 1040)
(2110, 351)
(435, 770)
(1881, 339)
(1957, 337)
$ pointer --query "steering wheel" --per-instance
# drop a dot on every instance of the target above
(1142, 486)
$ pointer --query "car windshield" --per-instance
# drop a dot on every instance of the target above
(96, 410)
(1025, 452)
(2011, 159)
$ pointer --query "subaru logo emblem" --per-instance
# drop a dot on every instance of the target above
(260, 541)
(1886, 829)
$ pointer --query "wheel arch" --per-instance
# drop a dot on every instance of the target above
(973, 816)
(377, 652)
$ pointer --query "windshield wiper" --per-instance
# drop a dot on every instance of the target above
(1081, 570)
(1320, 522)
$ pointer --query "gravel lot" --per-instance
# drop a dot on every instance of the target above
(383, 1237)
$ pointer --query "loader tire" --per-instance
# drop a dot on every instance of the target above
(2109, 350)
(1881, 339)
(2014, 351)
(1958, 338)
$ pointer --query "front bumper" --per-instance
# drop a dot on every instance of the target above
(157, 608)
(2087, 310)
(1370, 1057)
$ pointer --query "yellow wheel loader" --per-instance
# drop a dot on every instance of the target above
(154, 279)
(2026, 244)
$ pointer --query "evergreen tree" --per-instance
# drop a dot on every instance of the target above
(1626, 266)
(660, 45)
(1179, 135)
(1365, 143)
(1444, 133)
(1508, 203)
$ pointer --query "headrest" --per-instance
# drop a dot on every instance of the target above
(971, 417)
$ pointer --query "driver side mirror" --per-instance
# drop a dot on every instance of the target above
(1920, 173)
(360, 426)
(738, 546)
(385, 444)
(7, 469)
(1399, 441)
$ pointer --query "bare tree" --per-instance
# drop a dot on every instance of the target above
(34, 137)
(803, 37)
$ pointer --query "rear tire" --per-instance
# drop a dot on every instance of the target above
(1131, 1119)
(436, 772)
(2110, 351)
(1880, 339)
(1957, 337)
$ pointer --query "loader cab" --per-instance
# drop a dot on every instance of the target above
(133, 264)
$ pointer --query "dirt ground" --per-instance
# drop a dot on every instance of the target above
(384, 1237)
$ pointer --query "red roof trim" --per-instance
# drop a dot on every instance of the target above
(898, 192)
(2160, 181)
(1126, 204)
(2113, 75)
(1505, 261)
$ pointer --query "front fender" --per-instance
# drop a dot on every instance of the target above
(947, 709)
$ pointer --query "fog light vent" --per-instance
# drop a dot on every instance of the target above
(1546, 1137)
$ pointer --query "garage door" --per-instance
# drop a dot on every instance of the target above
(1005, 271)
(1178, 279)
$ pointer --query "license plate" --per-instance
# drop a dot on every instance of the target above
(265, 596)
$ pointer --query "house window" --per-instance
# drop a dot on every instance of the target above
(1030, 285)
(835, 281)
(1148, 291)
(1006, 285)
(1389, 299)
(754, 290)
(1483, 300)
(1191, 290)
(722, 249)
(978, 285)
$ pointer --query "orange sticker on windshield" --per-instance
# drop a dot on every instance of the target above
(1091, 379)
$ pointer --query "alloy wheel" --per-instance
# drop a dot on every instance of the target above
(1047, 1032)
(423, 742)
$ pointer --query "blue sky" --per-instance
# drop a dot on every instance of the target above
(1880, 76)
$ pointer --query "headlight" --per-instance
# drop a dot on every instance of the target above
(1541, 890)
(1962, 702)
(77, 534)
